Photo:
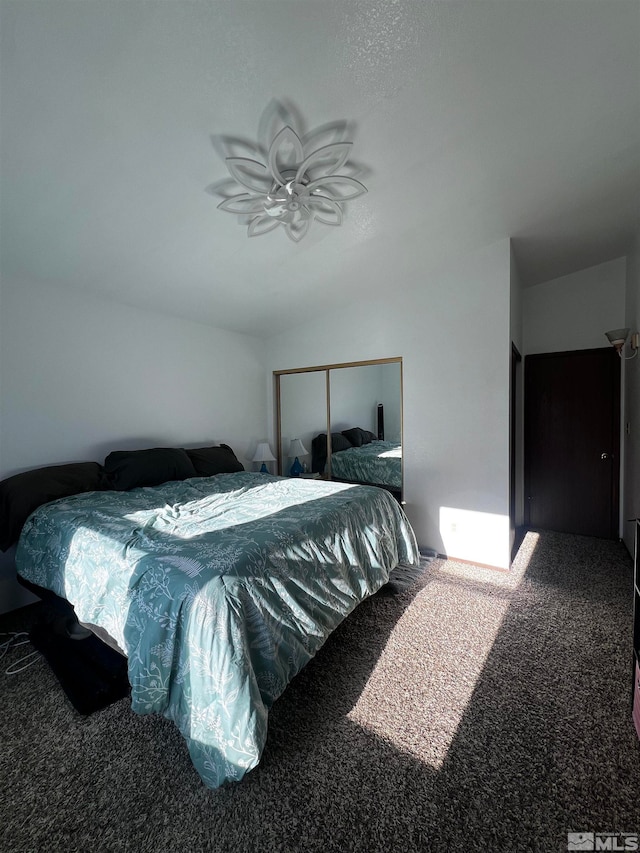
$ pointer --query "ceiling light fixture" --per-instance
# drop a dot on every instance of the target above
(618, 338)
(294, 187)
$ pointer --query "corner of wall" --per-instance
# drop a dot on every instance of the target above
(631, 435)
(515, 291)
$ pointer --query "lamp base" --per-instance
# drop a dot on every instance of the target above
(264, 469)
(296, 468)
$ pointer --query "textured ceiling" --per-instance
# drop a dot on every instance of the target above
(472, 121)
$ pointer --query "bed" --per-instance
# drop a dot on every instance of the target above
(218, 589)
(357, 456)
(379, 462)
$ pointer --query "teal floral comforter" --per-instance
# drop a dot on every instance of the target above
(219, 589)
(378, 462)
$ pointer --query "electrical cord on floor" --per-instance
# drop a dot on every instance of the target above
(16, 639)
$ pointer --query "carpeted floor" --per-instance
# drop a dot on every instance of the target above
(476, 711)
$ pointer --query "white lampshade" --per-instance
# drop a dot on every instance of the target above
(617, 337)
(263, 453)
(297, 448)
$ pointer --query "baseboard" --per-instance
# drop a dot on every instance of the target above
(455, 559)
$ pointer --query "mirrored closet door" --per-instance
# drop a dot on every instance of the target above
(342, 422)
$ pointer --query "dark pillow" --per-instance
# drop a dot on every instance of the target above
(339, 442)
(209, 461)
(126, 469)
(368, 436)
(354, 435)
(23, 493)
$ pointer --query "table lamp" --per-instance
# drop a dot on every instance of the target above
(297, 448)
(263, 454)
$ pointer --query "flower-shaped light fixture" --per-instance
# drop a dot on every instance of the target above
(293, 188)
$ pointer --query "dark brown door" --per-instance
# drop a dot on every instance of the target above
(572, 438)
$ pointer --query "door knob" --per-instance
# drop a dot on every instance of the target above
(604, 456)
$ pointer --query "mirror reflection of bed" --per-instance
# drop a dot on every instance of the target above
(362, 404)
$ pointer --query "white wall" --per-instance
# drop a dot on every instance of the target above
(515, 307)
(573, 312)
(354, 393)
(516, 323)
(82, 376)
(631, 489)
(452, 328)
(391, 399)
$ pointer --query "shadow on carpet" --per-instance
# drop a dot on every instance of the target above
(92, 674)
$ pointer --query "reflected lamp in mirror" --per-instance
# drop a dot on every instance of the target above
(297, 449)
(263, 454)
(618, 338)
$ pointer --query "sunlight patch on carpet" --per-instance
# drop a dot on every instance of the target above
(425, 678)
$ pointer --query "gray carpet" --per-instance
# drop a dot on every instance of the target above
(476, 710)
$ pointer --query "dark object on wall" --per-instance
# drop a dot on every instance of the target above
(23, 493)
(380, 422)
(92, 674)
(209, 461)
(127, 469)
